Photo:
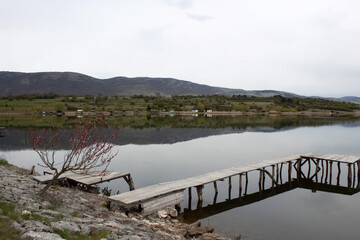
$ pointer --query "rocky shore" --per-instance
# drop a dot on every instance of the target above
(69, 213)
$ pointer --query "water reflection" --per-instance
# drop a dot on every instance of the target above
(316, 176)
(161, 150)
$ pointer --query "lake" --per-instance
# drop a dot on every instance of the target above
(179, 147)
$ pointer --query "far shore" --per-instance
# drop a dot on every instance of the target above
(314, 112)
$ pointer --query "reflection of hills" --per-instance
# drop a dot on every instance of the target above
(169, 133)
(172, 130)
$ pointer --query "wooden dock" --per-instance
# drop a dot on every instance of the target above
(161, 195)
(87, 179)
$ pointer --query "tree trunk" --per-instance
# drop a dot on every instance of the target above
(51, 182)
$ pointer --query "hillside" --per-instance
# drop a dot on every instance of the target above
(69, 83)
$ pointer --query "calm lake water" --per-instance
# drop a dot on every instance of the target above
(172, 152)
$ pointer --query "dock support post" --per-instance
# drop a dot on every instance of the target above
(199, 190)
(263, 178)
(246, 182)
(358, 174)
(190, 198)
(349, 176)
(331, 163)
(281, 168)
(215, 188)
(289, 172)
(130, 182)
(338, 176)
(260, 179)
(309, 168)
(273, 175)
(317, 170)
(230, 186)
(277, 173)
(240, 185)
(354, 176)
(327, 171)
(322, 170)
(298, 170)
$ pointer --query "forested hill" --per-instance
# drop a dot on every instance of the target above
(69, 83)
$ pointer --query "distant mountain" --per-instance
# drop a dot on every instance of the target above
(69, 83)
(351, 99)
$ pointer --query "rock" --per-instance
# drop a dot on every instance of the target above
(25, 212)
(45, 205)
(162, 214)
(50, 212)
(16, 226)
(192, 232)
(97, 228)
(85, 230)
(1, 211)
(172, 212)
(167, 212)
(41, 236)
(36, 226)
(66, 227)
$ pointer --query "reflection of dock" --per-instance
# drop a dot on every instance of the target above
(191, 215)
(158, 196)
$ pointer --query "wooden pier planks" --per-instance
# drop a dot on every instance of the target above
(89, 178)
(333, 157)
(144, 194)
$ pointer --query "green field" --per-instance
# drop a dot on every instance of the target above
(40, 103)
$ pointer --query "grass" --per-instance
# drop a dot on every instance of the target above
(4, 162)
(8, 214)
(74, 214)
(7, 232)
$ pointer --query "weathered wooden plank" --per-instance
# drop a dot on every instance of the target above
(163, 202)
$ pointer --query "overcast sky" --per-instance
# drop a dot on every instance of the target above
(309, 47)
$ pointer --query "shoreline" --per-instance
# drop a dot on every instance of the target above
(314, 112)
(71, 212)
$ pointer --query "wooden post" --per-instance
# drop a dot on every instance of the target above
(130, 182)
(298, 170)
(354, 176)
(260, 179)
(229, 189)
(273, 175)
(263, 179)
(289, 172)
(32, 170)
(322, 170)
(317, 170)
(331, 163)
(277, 173)
(190, 197)
(246, 182)
(338, 176)
(358, 172)
(240, 185)
(349, 175)
(199, 192)
(327, 170)
(215, 198)
(215, 188)
(309, 168)
(281, 168)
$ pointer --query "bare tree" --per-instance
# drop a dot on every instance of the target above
(90, 148)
